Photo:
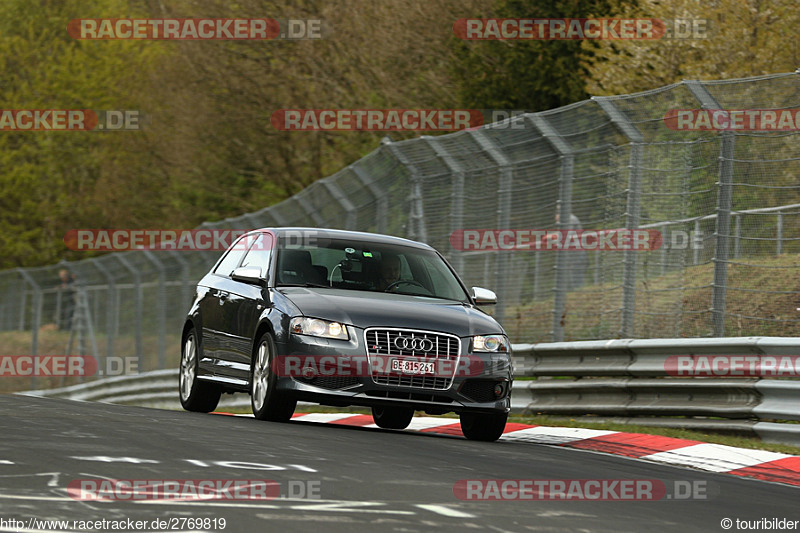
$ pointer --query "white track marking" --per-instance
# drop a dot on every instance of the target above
(444, 511)
(714, 457)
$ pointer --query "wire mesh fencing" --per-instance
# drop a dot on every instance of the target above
(724, 204)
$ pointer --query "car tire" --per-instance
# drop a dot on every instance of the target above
(196, 395)
(483, 427)
(392, 417)
(267, 402)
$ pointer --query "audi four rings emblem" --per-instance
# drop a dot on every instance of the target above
(415, 344)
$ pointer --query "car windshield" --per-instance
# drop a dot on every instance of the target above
(365, 266)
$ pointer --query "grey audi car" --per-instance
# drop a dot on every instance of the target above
(344, 318)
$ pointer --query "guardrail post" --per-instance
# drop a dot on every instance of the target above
(724, 204)
(632, 209)
(503, 215)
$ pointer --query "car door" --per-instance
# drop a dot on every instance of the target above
(244, 304)
(215, 291)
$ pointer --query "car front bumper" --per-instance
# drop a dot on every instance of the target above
(339, 373)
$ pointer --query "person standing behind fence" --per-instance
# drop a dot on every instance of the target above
(577, 261)
(67, 298)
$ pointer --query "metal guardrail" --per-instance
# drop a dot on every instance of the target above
(628, 380)
(158, 388)
(624, 379)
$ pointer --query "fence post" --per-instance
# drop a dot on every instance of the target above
(632, 209)
(697, 243)
(161, 307)
(137, 279)
(503, 214)
(37, 317)
(780, 233)
(112, 308)
(279, 219)
(457, 199)
(307, 207)
(186, 285)
(724, 204)
(22, 305)
(344, 202)
(565, 152)
(382, 209)
(416, 220)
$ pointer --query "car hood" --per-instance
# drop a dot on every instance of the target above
(365, 309)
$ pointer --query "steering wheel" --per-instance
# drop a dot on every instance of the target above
(408, 281)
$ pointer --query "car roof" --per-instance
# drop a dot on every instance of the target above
(355, 236)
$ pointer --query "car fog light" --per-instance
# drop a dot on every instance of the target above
(499, 389)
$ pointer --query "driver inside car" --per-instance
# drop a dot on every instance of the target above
(389, 271)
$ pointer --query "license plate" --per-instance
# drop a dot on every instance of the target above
(412, 367)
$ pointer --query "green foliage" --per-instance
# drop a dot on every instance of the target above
(50, 179)
(525, 74)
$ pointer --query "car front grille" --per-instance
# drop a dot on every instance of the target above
(426, 346)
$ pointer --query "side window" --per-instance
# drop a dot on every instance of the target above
(260, 254)
(232, 257)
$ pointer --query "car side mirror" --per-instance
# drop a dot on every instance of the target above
(483, 296)
(251, 275)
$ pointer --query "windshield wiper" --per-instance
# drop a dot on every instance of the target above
(427, 296)
(307, 284)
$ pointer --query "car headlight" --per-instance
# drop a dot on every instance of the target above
(490, 343)
(317, 327)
